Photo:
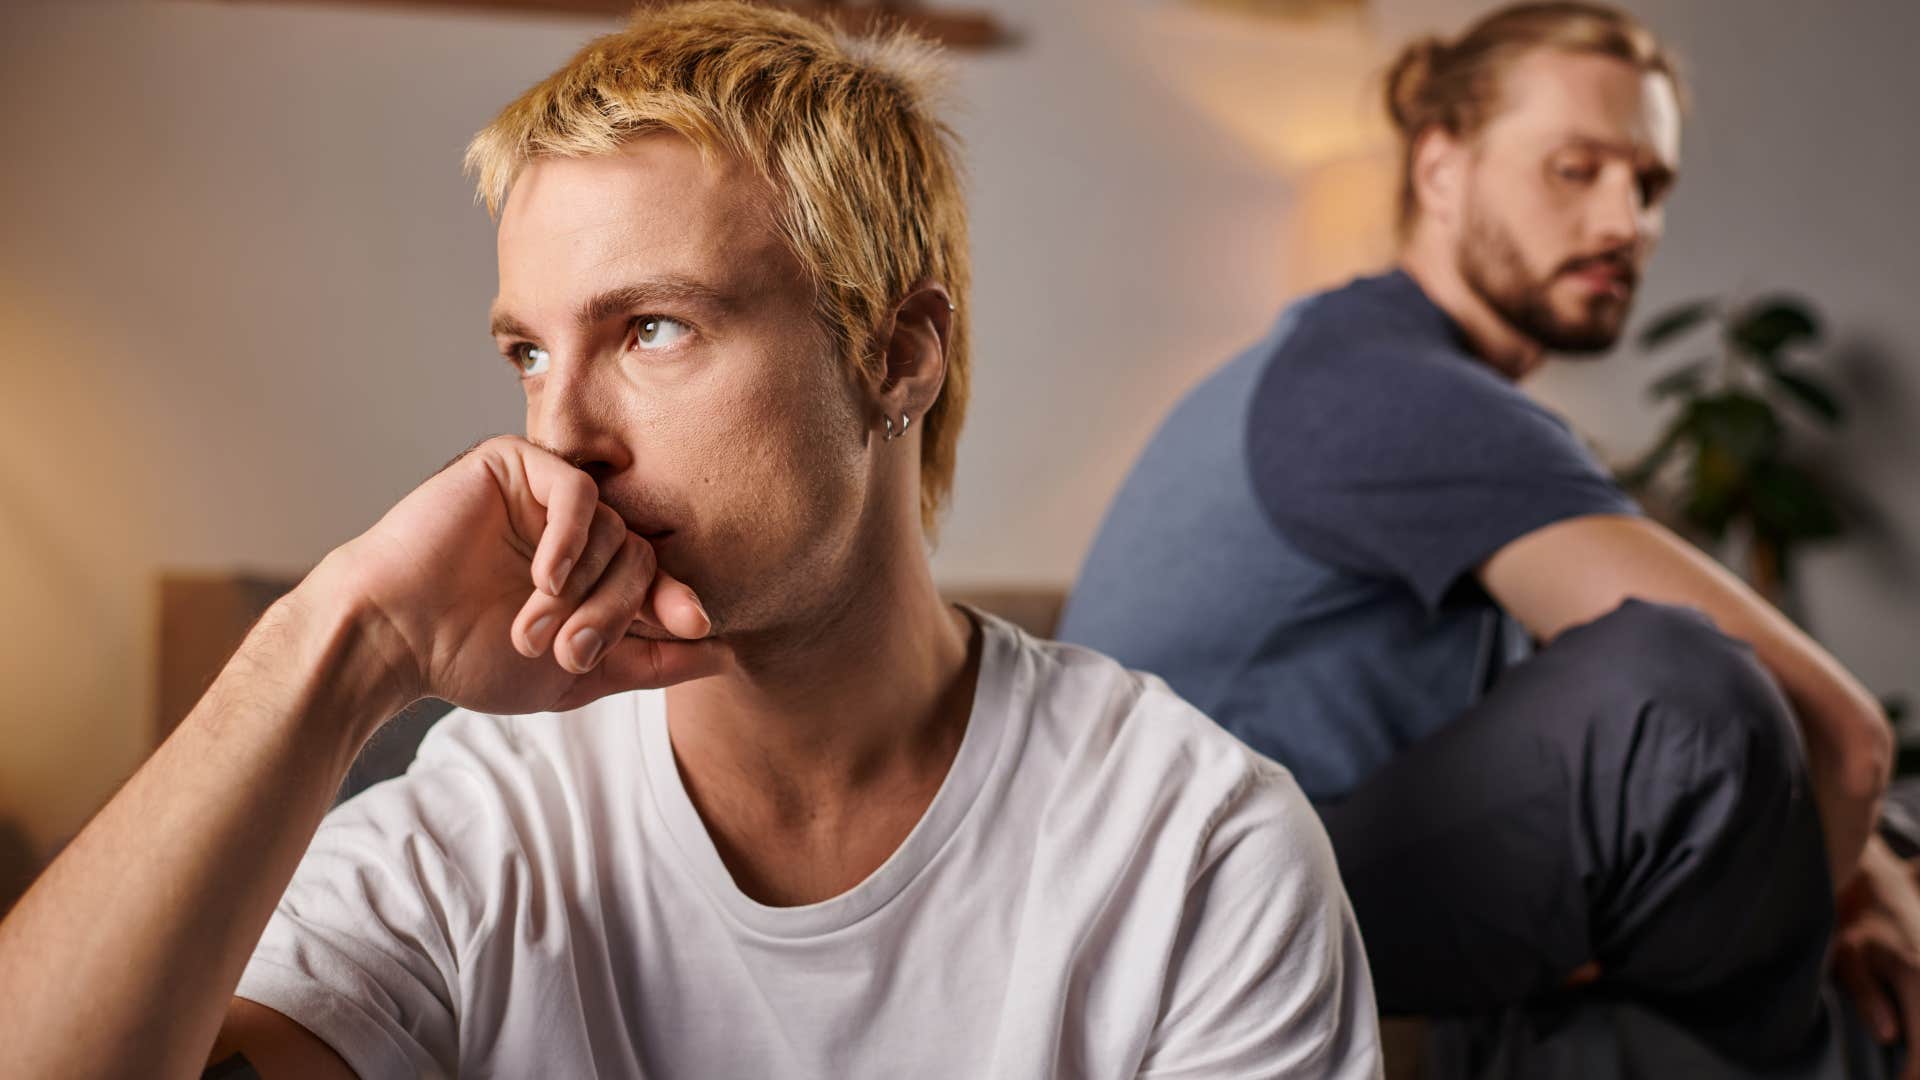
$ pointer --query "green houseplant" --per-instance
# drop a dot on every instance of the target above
(1724, 467)
(1725, 462)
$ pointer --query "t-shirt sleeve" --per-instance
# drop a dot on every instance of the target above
(1268, 976)
(1413, 467)
(362, 949)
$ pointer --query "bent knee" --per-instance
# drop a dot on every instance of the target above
(1705, 687)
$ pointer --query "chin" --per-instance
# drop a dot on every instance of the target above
(1594, 328)
(1582, 341)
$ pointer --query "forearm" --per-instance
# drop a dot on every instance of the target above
(1848, 739)
(1849, 758)
(122, 958)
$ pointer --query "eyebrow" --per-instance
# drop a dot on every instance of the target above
(1613, 148)
(670, 291)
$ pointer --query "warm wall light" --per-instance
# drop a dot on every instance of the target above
(1297, 82)
(1298, 91)
(1341, 221)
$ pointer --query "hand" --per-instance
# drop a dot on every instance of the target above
(1876, 954)
(508, 587)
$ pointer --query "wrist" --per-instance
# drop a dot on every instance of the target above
(359, 666)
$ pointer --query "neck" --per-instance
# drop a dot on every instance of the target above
(878, 687)
(1431, 261)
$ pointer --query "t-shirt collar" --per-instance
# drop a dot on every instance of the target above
(993, 704)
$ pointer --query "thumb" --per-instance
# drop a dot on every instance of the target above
(637, 663)
(672, 606)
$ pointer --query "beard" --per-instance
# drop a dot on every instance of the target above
(1492, 265)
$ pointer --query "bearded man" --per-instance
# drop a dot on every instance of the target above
(1556, 747)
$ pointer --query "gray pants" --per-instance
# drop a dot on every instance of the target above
(1635, 795)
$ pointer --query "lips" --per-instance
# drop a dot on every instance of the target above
(1604, 279)
(641, 513)
(653, 533)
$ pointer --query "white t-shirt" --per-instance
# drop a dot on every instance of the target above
(1106, 885)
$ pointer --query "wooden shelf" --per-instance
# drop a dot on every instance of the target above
(969, 31)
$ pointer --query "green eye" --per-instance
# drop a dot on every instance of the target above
(657, 331)
(527, 359)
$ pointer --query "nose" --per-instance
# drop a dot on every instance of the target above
(574, 418)
(1619, 215)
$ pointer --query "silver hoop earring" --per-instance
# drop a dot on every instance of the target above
(891, 434)
(906, 421)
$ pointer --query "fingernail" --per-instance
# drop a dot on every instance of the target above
(559, 577)
(586, 645)
(706, 621)
(539, 624)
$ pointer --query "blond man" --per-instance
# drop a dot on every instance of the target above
(733, 792)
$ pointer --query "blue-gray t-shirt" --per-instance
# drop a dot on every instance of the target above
(1295, 550)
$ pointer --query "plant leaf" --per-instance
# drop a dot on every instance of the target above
(1675, 321)
(1714, 493)
(1738, 424)
(1788, 504)
(1810, 393)
(1767, 326)
(1683, 381)
(1637, 476)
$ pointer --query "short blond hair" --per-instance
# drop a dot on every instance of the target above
(1455, 85)
(867, 176)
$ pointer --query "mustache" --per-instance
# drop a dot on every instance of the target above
(1619, 260)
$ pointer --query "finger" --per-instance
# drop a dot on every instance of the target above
(646, 664)
(1869, 997)
(1904, 979)
(672, 605)
(604, 614)
(541, 616)
(573, 510)
(1898, 970)
(549, 503)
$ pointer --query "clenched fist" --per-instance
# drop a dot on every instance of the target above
(504, 585)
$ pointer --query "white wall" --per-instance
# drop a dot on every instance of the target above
(242, 283)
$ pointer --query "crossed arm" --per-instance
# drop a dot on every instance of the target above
(1577, 570)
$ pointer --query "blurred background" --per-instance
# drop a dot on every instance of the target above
(243, 286)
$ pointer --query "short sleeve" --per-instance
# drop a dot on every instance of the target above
(1268, 976)
(1416, 466)
(363, 948)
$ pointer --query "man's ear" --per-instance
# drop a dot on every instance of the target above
(915, 353)
(1439, 175)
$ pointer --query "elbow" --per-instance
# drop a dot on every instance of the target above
(1850, 754)
(1866, 765)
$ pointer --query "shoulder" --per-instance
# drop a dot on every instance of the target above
(1348, 406)
(1222, 867)
(1128, 751)
(1321, 396)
